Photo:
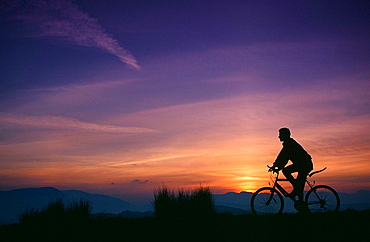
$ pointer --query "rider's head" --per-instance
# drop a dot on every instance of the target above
(284, 134)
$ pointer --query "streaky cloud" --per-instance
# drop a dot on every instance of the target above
(136, 162)
(63, 19)
(84, 87)
(68, 123)
(138, 181)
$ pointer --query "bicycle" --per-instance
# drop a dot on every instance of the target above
(269, 200)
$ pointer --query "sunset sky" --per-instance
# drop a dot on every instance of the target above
(121, 97)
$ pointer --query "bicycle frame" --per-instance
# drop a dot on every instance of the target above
(278, 187)
(319, 198)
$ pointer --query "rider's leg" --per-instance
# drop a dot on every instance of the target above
(301, 178)
(287, 171)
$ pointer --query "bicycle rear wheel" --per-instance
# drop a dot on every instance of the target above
(267, 200)
(322, 198)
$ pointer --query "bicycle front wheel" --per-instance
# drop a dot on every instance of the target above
(322, 198)
(267, 200)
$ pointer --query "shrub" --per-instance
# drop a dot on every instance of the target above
(52, 210)
(202, 201)
(183, 204)
(81, 209)
(57, 212)
(164, 202)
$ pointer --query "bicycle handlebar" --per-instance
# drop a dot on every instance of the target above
(274, 170)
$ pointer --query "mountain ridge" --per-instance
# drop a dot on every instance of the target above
(15, 202)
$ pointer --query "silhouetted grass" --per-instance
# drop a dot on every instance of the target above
(74, 223)
(183, 204)
(80, 210)
(77, 211)
(53, 210)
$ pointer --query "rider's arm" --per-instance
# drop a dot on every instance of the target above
(282, 159)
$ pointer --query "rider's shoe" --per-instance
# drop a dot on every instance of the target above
(302, 207)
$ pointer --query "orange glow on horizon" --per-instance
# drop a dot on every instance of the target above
(224, 144)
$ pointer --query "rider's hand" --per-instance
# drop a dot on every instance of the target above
(274, 169)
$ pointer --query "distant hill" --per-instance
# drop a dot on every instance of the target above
(15, 202)
(100, 203)
(234, 200)
(356, 201)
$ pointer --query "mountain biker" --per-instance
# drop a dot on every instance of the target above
(302, 162)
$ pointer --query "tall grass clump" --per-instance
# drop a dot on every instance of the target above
(53, 210)
(164, 202)
(57, 212)
(80, 210)
(183, 204)
(202, 201)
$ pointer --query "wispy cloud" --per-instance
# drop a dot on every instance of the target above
(138, 181)
(64, 98)
(98, 86)
(63, 19)
(68, 123)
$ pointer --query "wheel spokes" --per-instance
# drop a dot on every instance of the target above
(322, 199)
(266, 201)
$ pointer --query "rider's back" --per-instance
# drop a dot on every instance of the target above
(293, 151)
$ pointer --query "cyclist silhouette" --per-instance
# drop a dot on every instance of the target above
(302, 162)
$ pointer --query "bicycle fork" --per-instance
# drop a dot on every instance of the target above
(276, 185)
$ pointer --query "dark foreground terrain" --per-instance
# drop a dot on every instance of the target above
(341, 226)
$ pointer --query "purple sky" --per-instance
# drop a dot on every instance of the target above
(144, 93)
